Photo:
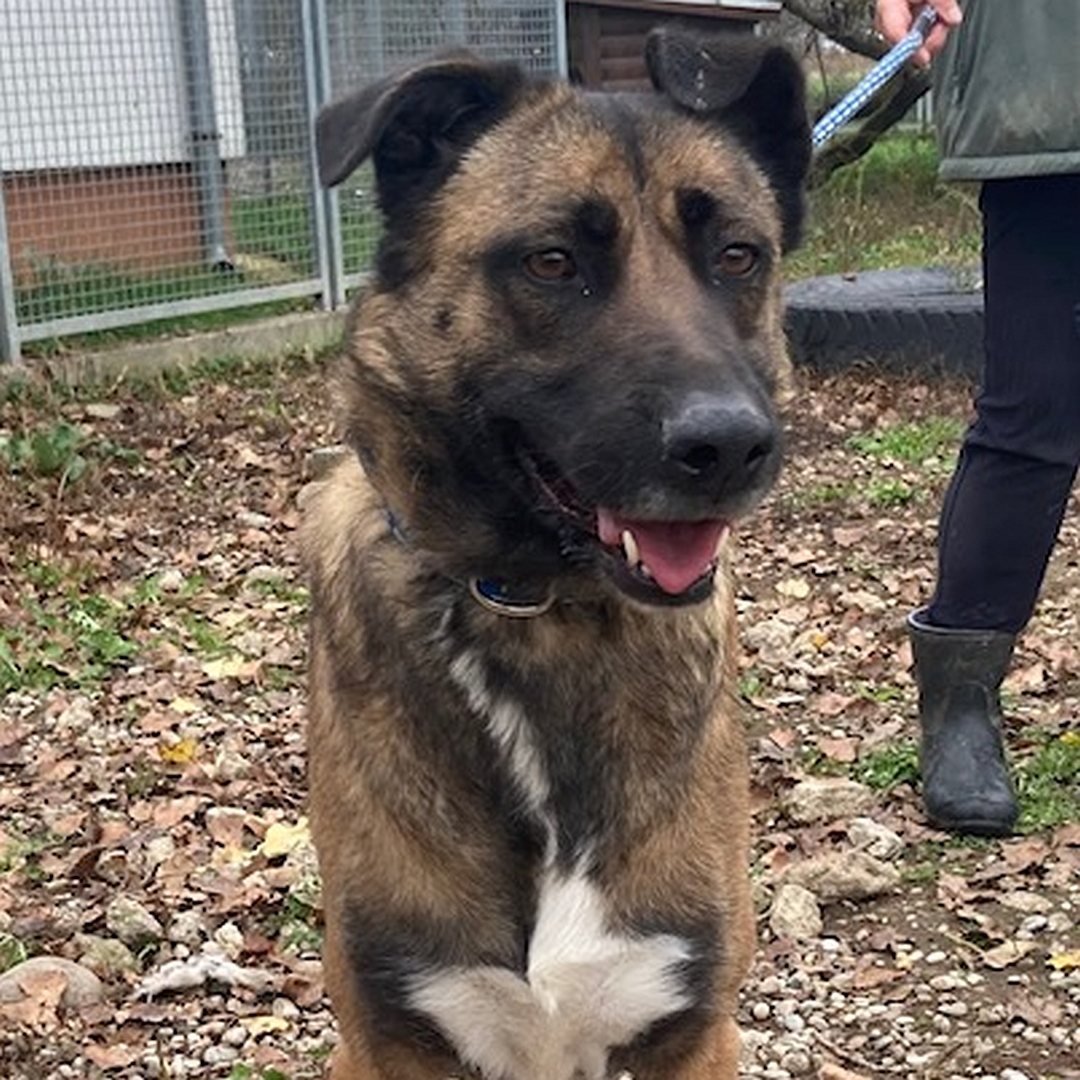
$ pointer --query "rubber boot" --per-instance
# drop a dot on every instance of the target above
(965, 783)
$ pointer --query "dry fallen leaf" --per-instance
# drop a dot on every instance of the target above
(1067, 961)
(1007, 953)
(231, 667)
(182, 752)
(794, 588)
(42, 992)
(829, 1071)
(264, 1025)
(844, 751)
(111, 1057)
(283, 839)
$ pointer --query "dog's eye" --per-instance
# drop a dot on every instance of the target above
(735, 260)
(551, 265)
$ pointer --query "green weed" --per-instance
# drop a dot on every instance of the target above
(750, 685)
(296, 925)
(1048, 784)
(888, 492)
(881, 695)
(817, 763)
(828, 494)
(240, 1071)
(913, 443)
(48, 452)
(206, 636)
(12, 951)
(70, 634)
(61, 451)
(281, 589)
(21, 854)
(890, 765)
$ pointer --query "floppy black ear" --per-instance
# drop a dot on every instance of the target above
(755, 89)
(415, 125)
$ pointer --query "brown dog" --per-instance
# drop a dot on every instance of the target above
(528, 785)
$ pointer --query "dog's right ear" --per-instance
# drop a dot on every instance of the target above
(415, 125)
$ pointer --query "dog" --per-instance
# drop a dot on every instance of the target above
(528, 786)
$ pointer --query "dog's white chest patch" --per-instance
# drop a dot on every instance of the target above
(585, 991)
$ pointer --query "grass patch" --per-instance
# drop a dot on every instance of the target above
(240, 1071)
(296, 925)
(888, 493)
(890, 765)
(818, 763)
(70, 639)
(934, 438)
(889, 210)
(59, 451)
(1048, 784)
(880, 695)
(925, 862)
(205, 637)
(827, 494)
(22, 854)
(751, 686)
(72, 634)
(156, 329)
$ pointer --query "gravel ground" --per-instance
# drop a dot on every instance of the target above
(151, 753)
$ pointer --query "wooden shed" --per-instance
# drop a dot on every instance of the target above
(606, 38)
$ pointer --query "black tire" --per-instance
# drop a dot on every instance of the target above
(927, 320)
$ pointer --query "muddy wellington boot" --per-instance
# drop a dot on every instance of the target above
(965, 783)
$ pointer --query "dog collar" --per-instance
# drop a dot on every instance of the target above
(490, 593)
(496, 597)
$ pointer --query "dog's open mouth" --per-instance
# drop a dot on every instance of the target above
(653, 561)
(677, 557)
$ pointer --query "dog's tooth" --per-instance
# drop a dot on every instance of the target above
(630, 549)
(722, 542)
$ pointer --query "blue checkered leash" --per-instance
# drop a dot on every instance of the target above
(875, 78)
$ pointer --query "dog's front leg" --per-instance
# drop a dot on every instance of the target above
(714, 1057)
(718, 1056)
(356, 1058)
(354, 1063)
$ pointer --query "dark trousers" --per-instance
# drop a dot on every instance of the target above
(1004, 506)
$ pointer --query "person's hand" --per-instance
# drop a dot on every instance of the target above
(894, 19)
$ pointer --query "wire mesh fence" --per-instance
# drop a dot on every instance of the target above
(156, 159)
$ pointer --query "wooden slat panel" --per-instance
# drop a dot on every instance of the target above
(607, 39)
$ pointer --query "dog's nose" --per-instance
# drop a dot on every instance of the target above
(720, 443)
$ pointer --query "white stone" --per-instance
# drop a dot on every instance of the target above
(795, 914)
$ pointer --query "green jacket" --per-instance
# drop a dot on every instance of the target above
(1007, 90)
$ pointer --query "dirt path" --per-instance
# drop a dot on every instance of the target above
(151, 751)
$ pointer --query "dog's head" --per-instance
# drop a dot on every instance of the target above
(565, 364)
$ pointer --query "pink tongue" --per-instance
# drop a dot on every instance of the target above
(676, 553)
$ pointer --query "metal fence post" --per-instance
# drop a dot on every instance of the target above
(9, 327)
(562, 48)
(324, 204)
(457, 23)
(205, 136)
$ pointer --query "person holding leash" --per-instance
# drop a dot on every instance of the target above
(1007, 108)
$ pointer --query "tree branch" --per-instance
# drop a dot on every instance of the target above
(847, 22)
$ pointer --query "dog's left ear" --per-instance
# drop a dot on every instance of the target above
(751, 87)
(415, 124)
